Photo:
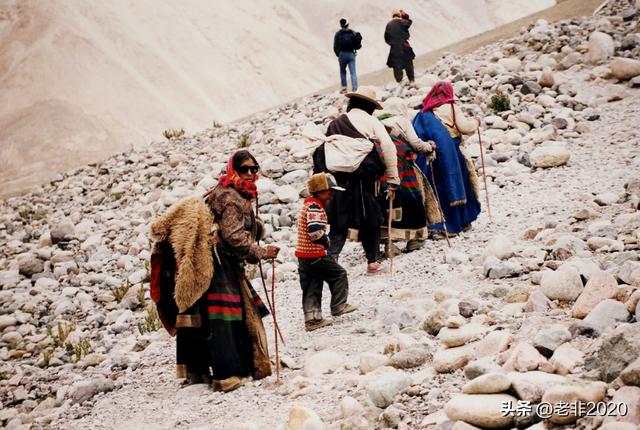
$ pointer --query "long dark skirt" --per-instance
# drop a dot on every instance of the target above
(221, 346)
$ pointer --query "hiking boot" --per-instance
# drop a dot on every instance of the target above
(374, 268)
(345, 310)
(316, 324)
(230, 384)
(343, 91)
(414, 245)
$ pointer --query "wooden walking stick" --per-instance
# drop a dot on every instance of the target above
(275, 323)
(484, 176)
(435, 191)
(264, 287)
(389, 243)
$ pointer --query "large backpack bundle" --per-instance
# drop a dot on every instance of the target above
(350, 40)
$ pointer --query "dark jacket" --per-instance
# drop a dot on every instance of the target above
(337, 48)
(358, 205)
(397, 35)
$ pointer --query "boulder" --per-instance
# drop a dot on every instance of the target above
(631, 374)
(546, 79)
(481, 367)
(549, 155)
(616, 351)
(628, 399)
(370, 361)
(382, 390)
(323, 362)
(450, 359)
(625, 68)
(549, 339)
(29, 264)
(572, 393)
(409, 358)
(481, 410)
(565, 285)
(84, 390)
(500, 247)
(537, 302)
(601, 47)
(302, 418)
(565, 359)
(523, 357)
(607, 314)
(460, 336)
(530, 386)
(491, 383)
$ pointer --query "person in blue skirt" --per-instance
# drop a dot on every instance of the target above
(456, 183)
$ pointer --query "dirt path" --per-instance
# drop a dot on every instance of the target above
(150, 398)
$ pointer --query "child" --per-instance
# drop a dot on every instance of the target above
(314, 265)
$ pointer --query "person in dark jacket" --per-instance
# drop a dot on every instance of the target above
(401, 55)
(344, 48)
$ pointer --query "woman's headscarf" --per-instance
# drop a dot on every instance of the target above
(440, 94)
(233, 179)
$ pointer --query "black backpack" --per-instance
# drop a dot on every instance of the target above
(350, 40)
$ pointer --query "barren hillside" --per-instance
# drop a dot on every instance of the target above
(81, 80)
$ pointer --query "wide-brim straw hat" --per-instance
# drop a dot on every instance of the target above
(365, 93)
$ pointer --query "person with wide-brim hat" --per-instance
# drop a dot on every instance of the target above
(357, 213)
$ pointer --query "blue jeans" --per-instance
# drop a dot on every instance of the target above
(347, 58)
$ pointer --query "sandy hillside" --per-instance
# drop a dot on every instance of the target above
(81, 80)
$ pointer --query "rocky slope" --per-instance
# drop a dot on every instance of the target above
(175, 66)
(538, 305)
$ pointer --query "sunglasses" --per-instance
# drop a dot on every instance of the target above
(245, 169)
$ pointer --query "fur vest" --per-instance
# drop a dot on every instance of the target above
(187, 226)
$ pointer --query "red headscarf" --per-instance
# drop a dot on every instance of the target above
(233, 179)
(440, 94)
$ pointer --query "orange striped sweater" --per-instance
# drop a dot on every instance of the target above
(312, 230)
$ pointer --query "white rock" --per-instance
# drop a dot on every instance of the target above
(561, 285)
(350, 407)
(501, 247)
(600, 47)
(481, 410)
(625, 68)
(383, 389)
(549, 155)
(287, 194)
(302, 418)
(491, 383)
(323, 362)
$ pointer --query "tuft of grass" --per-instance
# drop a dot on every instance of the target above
(79, 350)
(244, 140)
(25, 214)
(217, 124)
(500, 102)
(63, 331)
(151, 321)
(46, 357)
(173, 134)
(141, 296)
(121, 291)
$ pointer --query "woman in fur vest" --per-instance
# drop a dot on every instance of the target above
(220, 337)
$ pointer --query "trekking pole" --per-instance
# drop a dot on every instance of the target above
(275, 324)
(389, 243)
(264, 286)
(435, 191)
(484, 176)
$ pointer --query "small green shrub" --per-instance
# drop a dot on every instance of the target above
(63, 331)
(151, 321)
(173, 134)
(81, 349)
(121, 291)
(244, 140)
(500, 102)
